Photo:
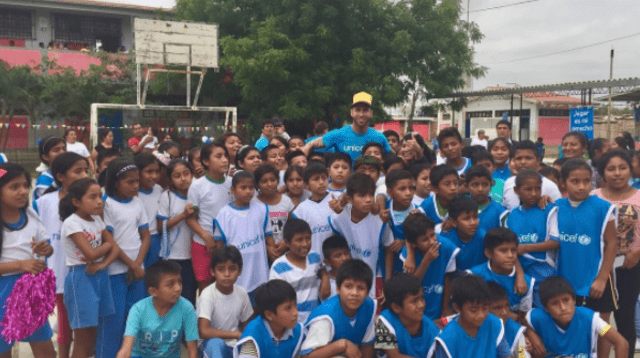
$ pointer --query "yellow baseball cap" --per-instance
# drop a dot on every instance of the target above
(362, 97)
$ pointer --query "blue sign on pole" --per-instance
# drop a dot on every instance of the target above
(582, 121)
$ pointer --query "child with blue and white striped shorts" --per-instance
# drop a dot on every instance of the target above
(88, 247)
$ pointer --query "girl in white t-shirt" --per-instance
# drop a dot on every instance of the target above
(173, 210)
(279, 205)
(126, 217)
(70, 136)
(208, 194)
(88, 248)
(149, 193)
(23, 246)
(66, 168)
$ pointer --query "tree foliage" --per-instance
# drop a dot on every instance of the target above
(304, 59)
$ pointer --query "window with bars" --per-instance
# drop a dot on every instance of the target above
(85, 29)
(16, 24)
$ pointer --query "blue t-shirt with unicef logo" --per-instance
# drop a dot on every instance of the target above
(161, 336)
(347, 141)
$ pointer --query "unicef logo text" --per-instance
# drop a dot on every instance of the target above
(356, 251)
(432, 289)
(529, 238)
(575, 238)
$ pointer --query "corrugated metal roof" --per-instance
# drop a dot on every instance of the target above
(568, 86)
(110, 4)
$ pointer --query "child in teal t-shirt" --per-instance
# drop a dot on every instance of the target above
(157, 325)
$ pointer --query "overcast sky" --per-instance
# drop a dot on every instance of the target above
(541, 27)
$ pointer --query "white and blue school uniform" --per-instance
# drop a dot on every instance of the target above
(514, 335)
(516, 302)
(249, 237)
(87, 297)
(47, 208)
(417, 201)
(175, 243)
(125, 218)
(16, 246)
(316, 214)
(366, 239)
(489, 215)
(462, 170)
(396, 219)
(430, 208)
(259, 333)
(44, 181)
(336, 192)
(535, 225)
(454, 342)
(209, 197)
(305, 281)
(150, 200)
(581, 231)
(331, 323)
(471, 253)
(391, 332)
(579, 339)
(434, 278)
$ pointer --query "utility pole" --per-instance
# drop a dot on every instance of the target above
(609, 114)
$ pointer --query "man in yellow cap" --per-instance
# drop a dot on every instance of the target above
(351, 139)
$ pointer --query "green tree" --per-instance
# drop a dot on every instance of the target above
(20, 90)
(304, 59)
(440, 52)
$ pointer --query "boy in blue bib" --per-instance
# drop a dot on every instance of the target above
(444, 184)
(400, 190)
(435, 263)
(345, 323)
(478, 182)
(568, 330)
(402, 328)
(275, 333)
(501, 248)
(466, 234)
(474, 332)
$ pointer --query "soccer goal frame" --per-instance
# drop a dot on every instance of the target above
(230, 119)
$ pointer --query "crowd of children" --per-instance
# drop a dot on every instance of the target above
(240, 252)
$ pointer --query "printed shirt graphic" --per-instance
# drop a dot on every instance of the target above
(628, 223)
(278, 215)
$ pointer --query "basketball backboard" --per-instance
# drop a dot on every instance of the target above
(176, 43)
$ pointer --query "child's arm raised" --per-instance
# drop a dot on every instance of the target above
(617, 340)
(610, 246)
(127, 347)
(432, 253)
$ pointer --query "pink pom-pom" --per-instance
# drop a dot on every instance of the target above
(30, 303)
